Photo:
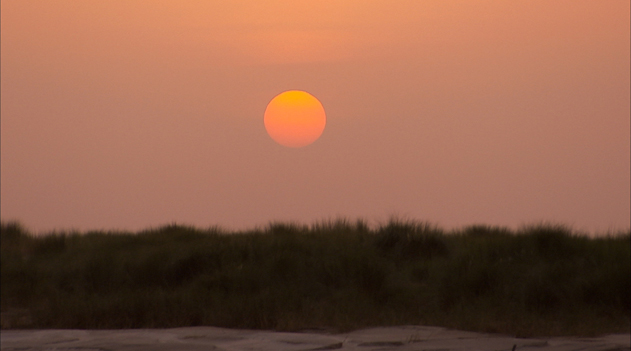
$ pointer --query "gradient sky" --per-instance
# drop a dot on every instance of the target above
(127, 114)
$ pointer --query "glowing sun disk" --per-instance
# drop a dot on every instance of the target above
(294, 118)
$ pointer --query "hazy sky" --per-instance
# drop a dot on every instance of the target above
(126, 114)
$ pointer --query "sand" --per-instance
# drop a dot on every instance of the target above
(209, 338)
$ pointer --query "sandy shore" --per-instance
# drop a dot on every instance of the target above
(208, 338)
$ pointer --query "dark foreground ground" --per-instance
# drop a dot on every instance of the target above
(541, 280)
(404, 338)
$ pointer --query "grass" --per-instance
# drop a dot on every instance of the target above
(339, 275)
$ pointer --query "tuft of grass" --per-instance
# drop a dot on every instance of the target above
(340, 275)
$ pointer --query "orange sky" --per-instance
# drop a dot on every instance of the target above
(128, 114)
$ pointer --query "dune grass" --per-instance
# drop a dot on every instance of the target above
(338, 275)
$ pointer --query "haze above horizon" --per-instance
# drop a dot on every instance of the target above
(133, 114)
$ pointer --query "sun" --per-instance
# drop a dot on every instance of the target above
(294, 118)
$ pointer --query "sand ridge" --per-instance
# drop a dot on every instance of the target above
(403, 338)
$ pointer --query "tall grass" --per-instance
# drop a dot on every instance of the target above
(339, 275)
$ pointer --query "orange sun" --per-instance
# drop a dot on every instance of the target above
(294, 118)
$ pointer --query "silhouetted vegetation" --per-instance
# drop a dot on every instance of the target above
(339, 275)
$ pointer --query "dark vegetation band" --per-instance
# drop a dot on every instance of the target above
(339, 275)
